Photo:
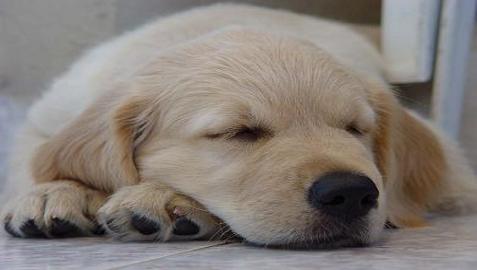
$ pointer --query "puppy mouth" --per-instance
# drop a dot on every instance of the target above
(331, 242)
(328, 235)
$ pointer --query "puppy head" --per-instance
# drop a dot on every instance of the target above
(272, 136)
(269, 133)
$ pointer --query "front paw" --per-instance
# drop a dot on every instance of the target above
(152, 212)
(54, 210)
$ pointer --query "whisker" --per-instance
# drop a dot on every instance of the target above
(219, 230)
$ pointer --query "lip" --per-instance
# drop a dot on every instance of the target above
(334, 242)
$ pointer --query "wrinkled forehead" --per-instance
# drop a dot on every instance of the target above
(275, 85)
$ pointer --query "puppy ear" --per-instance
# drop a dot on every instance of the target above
(411, 160)
(98, 147)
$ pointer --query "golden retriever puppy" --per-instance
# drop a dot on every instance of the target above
(277, 124)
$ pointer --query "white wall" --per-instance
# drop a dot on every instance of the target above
(40, 38)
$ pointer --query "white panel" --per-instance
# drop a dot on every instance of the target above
(456, 25)
(408, 37)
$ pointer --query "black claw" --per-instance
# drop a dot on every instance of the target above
(30, 229)
(390, 225)
(9, 229)
(184, 226)
(61, 228)
(144, 225)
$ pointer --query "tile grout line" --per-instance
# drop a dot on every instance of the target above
(169, 255)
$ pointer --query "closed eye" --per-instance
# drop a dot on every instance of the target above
(245, 134)
(354, 130)
(248, 134)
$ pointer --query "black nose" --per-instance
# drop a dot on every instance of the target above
(344, 195)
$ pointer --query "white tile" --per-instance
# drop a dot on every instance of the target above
(84, 253)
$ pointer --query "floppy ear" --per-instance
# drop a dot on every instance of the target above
(411, 160)
(98, 147)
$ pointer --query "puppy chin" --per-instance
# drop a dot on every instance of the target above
(377, 220)
(358, 239)
(334, 242)
(335, 234)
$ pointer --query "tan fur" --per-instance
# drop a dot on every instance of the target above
(421, 164)
(97, 148)
(411, 160)
(161, 136)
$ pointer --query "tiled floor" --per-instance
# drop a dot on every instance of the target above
(449, 243)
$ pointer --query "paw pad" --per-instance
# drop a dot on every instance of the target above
(63, 228)
(183, 226)
(30, 229)
(144, 225)
(98, 230)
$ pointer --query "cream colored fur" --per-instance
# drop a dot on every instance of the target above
(149, 118)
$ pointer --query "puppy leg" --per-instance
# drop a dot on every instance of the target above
(55, 209)
(152, 211)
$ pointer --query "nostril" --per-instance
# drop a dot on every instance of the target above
(369, 200)
(337, 200)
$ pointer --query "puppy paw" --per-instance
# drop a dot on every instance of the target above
(153, 212)
(54, 210)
